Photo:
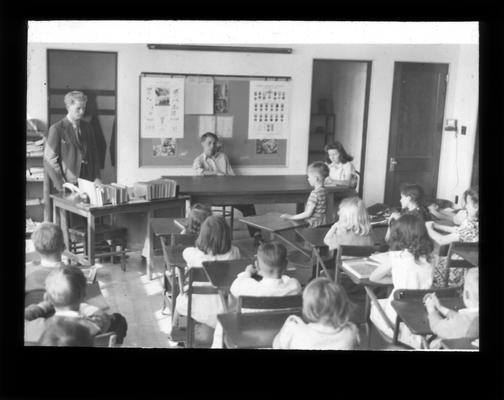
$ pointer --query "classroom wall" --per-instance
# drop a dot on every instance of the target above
(349, 94)
(461, 102)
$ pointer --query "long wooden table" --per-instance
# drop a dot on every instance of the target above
(62, 204)
(257, 189)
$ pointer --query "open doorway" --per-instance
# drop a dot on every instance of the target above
(339, 107)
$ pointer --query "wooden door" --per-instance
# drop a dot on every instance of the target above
(416, 128)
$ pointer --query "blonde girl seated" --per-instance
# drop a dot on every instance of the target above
(341, 170)
(353, 227)
(197, 214)
(213, 244)
(326, 308)
(408, 263)
(468, 231)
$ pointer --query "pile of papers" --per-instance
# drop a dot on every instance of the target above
(35, 148)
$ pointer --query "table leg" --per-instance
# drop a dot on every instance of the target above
(330, 209)
(91, 237)
(56, 216)
(63, 217)
(149, 244)
(276, 234)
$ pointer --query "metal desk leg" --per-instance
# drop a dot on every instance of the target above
(91, 237)
(150, 247)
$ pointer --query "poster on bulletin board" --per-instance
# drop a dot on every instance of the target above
(162, 107)
(269, 110)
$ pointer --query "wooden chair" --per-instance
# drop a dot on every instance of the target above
(195, 275)
(458, 262)
(226, 213)
(293, 302)
(393, 326)
(105, 340)
(113, 235)
(416, 295)
(172, 246)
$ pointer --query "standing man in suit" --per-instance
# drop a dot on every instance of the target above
(71, 151)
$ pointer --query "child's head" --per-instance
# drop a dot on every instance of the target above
(409, 233)
(326, 302)
(272, 259)
(353, 216)
(215, 236)
(48, 240)
(317, 172)
(198, 214)
(411, 196)
(336, 153)
(471, 291)
(209, 142)
(65, 331)
(471, 200)
(66, 287)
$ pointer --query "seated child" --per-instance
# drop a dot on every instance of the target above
(353, 227)
(412, 196)
(197, 214)
(215, 162)
(341, 170)
(326, 308)
(450, 324)
(66, 331)
(265, 278)
(213, 244)
(48, 242)
(65, 292)
(315, 211)
(468, 231)
(408, 263)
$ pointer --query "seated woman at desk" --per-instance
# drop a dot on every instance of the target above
(468, 231)
(452, 215)
(341, 170)
(215, 162)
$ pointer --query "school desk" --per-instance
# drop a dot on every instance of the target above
(62, 204)
(256, 189)
(221, 274)
(458, 344)
(471, 255)
(272, 223)
(414, 314)
(252, 330)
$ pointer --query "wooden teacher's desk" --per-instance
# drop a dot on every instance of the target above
(62, 203)
(257, 189)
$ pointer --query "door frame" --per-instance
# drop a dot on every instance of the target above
(393, 107)
(367, 92)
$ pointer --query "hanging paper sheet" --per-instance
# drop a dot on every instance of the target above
(162, 107)
(269, 110)
(222, 126)
(199, 95)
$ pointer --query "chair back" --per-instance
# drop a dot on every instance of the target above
(105, 340)
(34, 296)
(293, 302)
(196, 274)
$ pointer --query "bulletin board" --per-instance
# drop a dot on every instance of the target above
(242, 151)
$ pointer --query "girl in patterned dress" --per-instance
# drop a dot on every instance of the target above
(468, 231)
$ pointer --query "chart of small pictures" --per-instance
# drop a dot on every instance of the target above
(269, 110)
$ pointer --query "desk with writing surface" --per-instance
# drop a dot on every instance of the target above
(62, 203)
(253, 330)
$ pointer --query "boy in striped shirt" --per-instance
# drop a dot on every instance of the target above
(316, 206)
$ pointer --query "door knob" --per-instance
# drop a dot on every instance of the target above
(393, 163)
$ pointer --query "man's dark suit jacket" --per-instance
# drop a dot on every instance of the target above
(62, 154)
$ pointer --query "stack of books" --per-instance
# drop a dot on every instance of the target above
(35, 173)
(100, 195)
(115, 193)
(155, 189)
(35, 148)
